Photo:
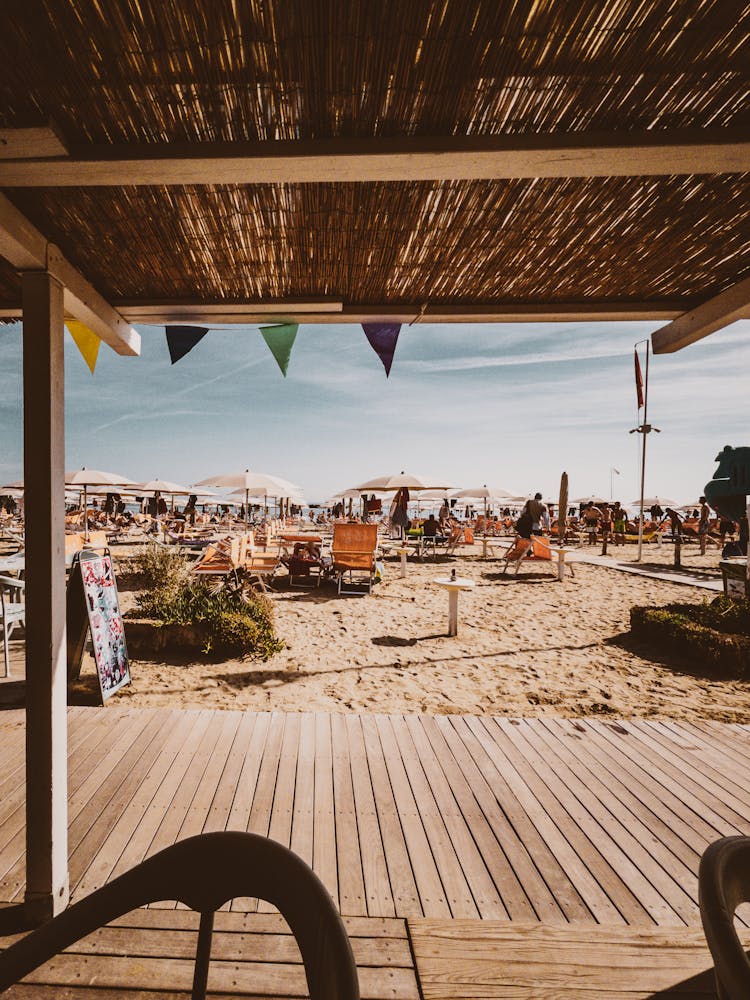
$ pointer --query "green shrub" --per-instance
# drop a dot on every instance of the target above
(238, 623)
(160, 567)
(717, 633)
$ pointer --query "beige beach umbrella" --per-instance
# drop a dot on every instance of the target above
(401, 480)
(247, 481)
(93, 477)
(653, 501)
(164, 486)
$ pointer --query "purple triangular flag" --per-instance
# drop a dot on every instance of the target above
(383, 338)
(182, 339)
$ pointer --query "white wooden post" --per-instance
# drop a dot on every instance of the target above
(47, 887)
(453, 612)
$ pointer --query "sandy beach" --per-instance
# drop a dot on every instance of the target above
(527, 645)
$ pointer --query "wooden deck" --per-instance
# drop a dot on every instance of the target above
(413, 823)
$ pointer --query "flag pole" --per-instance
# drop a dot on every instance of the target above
(644, 432)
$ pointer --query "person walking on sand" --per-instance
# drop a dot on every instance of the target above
(538, 513)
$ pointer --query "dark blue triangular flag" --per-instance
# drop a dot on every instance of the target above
(383, 338)
(182, 339)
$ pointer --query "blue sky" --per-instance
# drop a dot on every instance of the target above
(509, 405)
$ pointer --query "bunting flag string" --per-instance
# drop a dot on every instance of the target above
(86, 340)
(280, 340)
(383, 338)
(182, 339)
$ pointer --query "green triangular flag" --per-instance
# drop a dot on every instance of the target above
(281, 339)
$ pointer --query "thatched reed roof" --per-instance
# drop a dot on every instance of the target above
(526, 241)
(149, 70)
(159, 71)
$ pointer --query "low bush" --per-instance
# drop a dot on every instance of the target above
(717, 633)
(237, 623)
(159, 567)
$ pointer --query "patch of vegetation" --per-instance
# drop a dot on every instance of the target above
(160, 567)
(717, 633)
(236, 623)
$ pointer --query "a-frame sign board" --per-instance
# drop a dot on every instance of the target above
(93, 606)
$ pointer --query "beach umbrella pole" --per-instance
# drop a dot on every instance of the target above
(85, 513)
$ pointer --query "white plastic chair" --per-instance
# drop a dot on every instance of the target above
(12, 612)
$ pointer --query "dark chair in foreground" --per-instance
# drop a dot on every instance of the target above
(205, 872)
(723, 884)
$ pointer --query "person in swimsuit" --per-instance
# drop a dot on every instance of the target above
(619, 524)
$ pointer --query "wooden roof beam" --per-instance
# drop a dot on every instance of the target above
(26, 249)
(725, 308)
(228, 313)
(616, 154)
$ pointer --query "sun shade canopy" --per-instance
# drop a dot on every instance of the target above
(444, 162)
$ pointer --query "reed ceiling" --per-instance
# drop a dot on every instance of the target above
(131, 71)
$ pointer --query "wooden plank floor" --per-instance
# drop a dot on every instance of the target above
(549, 820)
(149, 954)
(469, 960)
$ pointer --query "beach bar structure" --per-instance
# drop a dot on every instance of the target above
(305, 161)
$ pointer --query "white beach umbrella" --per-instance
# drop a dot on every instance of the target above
(485, 493)
(653, 501)
(247, 481)
(592, 499)
(400, 480)
(93, 477)
(164, 486)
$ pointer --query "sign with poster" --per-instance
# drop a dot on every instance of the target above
(93, 606)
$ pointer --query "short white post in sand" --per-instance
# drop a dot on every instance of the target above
(453, 585)
(402, 551)
(561, 553)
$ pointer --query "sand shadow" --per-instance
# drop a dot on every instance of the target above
(678, 663)
(526, 578)
(393, 640)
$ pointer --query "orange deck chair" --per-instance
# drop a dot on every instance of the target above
(527, 548)
(353, 551)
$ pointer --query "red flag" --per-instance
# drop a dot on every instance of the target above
(638, 380)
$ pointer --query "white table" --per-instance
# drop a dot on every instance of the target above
(453, 584)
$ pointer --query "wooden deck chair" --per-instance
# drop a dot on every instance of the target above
(219, 559)
(456, 536)
(12, 612)
(353, 551)
(517, 551)
(204, 873)
(260, 566)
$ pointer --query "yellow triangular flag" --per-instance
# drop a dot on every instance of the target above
(86, 341)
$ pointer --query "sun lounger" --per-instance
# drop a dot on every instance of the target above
(221, 559)
(353, 551)
(526, 548)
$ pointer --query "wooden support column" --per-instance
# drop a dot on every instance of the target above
(47, 887)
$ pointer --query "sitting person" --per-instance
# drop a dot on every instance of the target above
(307, 551)
(431, 527)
